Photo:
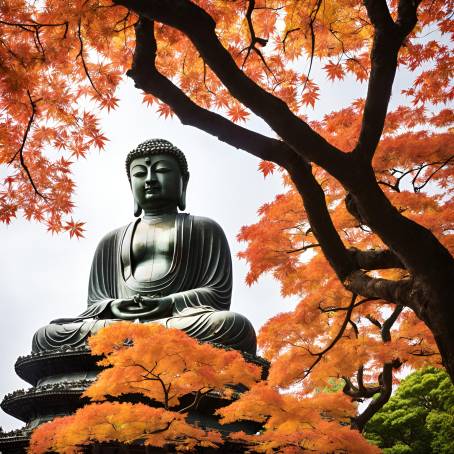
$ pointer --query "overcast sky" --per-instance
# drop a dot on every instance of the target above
(45, 277)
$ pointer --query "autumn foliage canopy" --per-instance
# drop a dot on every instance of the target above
(166, 366)
(361, 235)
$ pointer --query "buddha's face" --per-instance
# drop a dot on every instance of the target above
(156, 182)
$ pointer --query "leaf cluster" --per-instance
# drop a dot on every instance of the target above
(162, 365)
(419, 417)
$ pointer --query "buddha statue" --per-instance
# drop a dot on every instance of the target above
(166, 267)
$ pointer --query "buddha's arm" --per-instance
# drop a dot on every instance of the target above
(208, 271)
(104, 274)
(202, 296)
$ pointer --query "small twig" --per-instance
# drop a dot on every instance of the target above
(301, 249)
(254, 40)
(336, 338)
(81, 55)
(20, 152)
(196, 400)
(418, 188)
(313, 16)
(287, 33)
(205, 79)
(374, 321)
(339, 308)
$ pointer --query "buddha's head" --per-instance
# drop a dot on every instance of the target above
(158, 174)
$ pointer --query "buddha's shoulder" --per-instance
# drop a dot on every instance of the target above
(115, 235)
(204, 223)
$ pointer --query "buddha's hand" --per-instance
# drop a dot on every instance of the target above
(159, 306)
(141, 307)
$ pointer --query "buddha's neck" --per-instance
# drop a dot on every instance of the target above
(151, 214)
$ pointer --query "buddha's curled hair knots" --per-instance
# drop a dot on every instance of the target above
(157, 146)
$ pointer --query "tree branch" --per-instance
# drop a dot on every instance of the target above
(149, 79)
(199, 26)
(20, 152)
(406, 15)
(399, 291)
(338, 336)
(340, 308)
(385, 379)
(312, 18)
(360, 391)
(416, 187)
(254, 39)
(319, 218)
(366, 190)
(81, 55)
(375, 259)
(388, 38)
(379, 15)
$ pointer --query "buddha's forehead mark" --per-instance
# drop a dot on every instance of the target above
(154, 160)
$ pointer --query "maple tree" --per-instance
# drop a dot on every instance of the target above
(364, 233)
(166, 369)
(176, 372)
(293, 423)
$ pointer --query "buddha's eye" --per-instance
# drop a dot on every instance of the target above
(162, 170)
(162, 167)
(139, 172)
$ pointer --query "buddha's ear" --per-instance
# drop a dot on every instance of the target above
(137, 209)
(182, 198)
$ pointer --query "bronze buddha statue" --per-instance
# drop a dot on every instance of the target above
(166, 267)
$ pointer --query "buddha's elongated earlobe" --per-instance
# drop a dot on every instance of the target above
(182, 197)
(137, 209)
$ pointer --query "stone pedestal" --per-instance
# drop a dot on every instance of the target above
(59, 377)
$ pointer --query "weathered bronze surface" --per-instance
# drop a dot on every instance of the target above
(166, 267)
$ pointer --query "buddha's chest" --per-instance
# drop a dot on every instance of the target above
(152, 250)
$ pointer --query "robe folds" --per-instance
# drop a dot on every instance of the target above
(199, 282)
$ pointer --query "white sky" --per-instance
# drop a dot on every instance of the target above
(43, 277)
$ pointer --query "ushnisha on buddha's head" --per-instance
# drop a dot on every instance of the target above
(158, 173)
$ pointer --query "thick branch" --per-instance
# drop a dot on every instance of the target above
(386, 381)
(379, 15)
(360, 391)
(388, 38)
(149, 79)
(375, 259)
(393, 291)
(416, 246)
(198, 25)
(389, 322)
(406, 15)
(319, 218)
(384, 388)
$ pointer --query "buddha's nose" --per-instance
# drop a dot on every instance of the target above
(151, 177)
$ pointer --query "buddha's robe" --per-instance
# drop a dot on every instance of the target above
(199, 281)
